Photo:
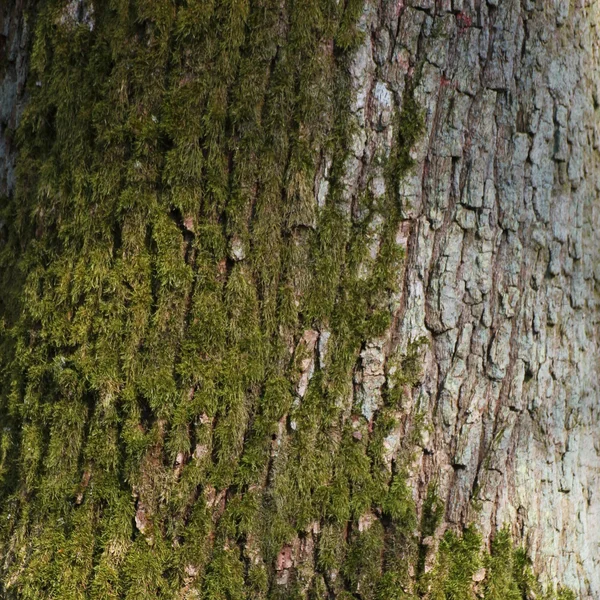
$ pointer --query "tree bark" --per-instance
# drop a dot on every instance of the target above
(292, 291)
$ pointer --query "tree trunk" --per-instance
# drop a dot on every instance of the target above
(299, 299)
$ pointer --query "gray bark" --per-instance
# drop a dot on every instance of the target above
(503, 253)
(14, 37)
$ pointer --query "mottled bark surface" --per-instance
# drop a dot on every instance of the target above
(495, 303)
(502, 275)
(502, 241)
(13, 73)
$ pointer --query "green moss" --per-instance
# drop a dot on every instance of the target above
(399, 504)
(459, 557)
(363, 565)
(501, 569)
(432, 513)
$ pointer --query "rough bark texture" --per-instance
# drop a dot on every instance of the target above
(502, 270)
(464, 134)
(13, 74)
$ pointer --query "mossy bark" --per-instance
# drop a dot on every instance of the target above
(265, 297)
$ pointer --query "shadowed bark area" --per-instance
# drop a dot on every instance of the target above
(299, 299)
